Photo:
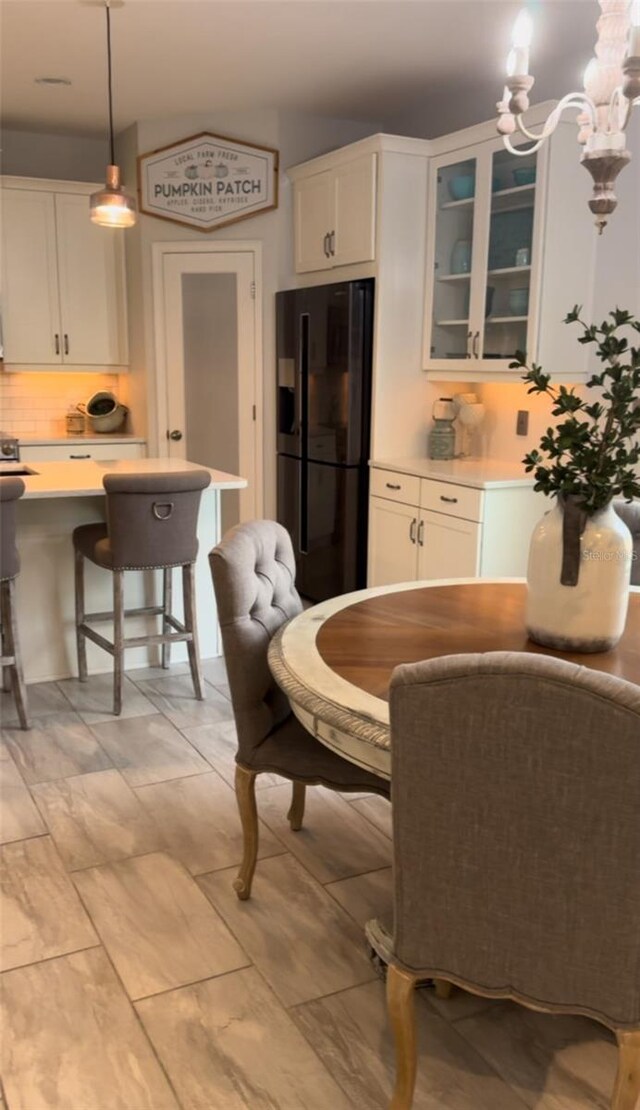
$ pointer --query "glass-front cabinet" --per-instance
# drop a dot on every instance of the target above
(485, 209)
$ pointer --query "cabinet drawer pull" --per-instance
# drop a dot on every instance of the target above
(66, 344)
(327, 253)
(390, 485)
(421, 534)
(449, 500)
(474, 346)
(56, 340)
(332, 242)
(412, 530)
(79, 456)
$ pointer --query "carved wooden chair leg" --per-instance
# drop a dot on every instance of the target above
(626, 1093)
(296, 809)
(400, 1004)
(167, 583)
(118, 640)
(444, 989)
(80, 616)
(189, 592)
(246, 799)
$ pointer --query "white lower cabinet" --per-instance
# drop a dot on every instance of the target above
(448, 547)
(392, 542)
(470, 533)
(59, 452)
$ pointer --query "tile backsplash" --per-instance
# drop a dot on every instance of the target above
(36, 404)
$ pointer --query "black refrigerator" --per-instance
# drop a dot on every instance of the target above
(324, 342)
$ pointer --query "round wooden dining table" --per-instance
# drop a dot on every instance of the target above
(335, 660)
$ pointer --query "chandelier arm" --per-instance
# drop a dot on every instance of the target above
(619, 100)
(518, 149)
(571, 100)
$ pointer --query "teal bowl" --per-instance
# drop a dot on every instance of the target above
(462, 186)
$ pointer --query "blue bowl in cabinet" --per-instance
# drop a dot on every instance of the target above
(462, 186)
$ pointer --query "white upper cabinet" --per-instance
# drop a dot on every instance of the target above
(509, 252)
(334, 215)
(63, 281)
(30, 304)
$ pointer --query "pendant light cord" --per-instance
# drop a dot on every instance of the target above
(111, 141)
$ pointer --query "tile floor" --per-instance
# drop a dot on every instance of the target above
(133, 979)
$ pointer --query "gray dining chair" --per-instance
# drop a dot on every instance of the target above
(516, 840)
(253, 572)
(151, 525)
(629, 511)
(11, 490)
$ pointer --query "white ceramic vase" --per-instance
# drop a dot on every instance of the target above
(590, 615)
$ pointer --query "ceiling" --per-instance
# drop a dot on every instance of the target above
(356, 59)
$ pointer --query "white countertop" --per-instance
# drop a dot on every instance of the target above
(83, 478)
(478, 473)
(57, 441)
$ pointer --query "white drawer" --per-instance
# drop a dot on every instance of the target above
(60, 452)
(445, 497)
(395, 487)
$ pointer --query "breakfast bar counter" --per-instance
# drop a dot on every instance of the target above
(58, 497)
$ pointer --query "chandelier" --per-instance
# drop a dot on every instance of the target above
(611, 87)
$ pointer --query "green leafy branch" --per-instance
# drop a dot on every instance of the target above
(593, 451)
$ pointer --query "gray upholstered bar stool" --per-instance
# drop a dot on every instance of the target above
(151, 525)
(11, 490)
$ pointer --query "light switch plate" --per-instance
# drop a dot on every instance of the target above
(522, 422)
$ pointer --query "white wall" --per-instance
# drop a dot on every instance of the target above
(297, 137)
(65, 157)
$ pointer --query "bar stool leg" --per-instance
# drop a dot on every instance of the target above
(81, 642)
(118, 640)
(12, 640)
(167, 584)
(188, 593)
(6, 670)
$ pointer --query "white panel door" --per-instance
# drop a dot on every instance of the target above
(392, 542)
(447, 547)
(91, 274)
(31, 310)
(210, 368)
(354, 225)
(313, 206)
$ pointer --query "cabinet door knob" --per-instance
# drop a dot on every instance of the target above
(412, 530)
(176, 434)
(421, 534)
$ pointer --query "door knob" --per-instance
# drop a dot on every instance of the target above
(176, 434)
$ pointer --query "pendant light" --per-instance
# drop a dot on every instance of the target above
(111, 206)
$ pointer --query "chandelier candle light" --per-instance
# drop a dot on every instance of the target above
(611, 88)
(111, 206)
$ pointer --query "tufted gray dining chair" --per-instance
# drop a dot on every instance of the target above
(11, 490)
(516, 842)
(254, 581)
(629, 511)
